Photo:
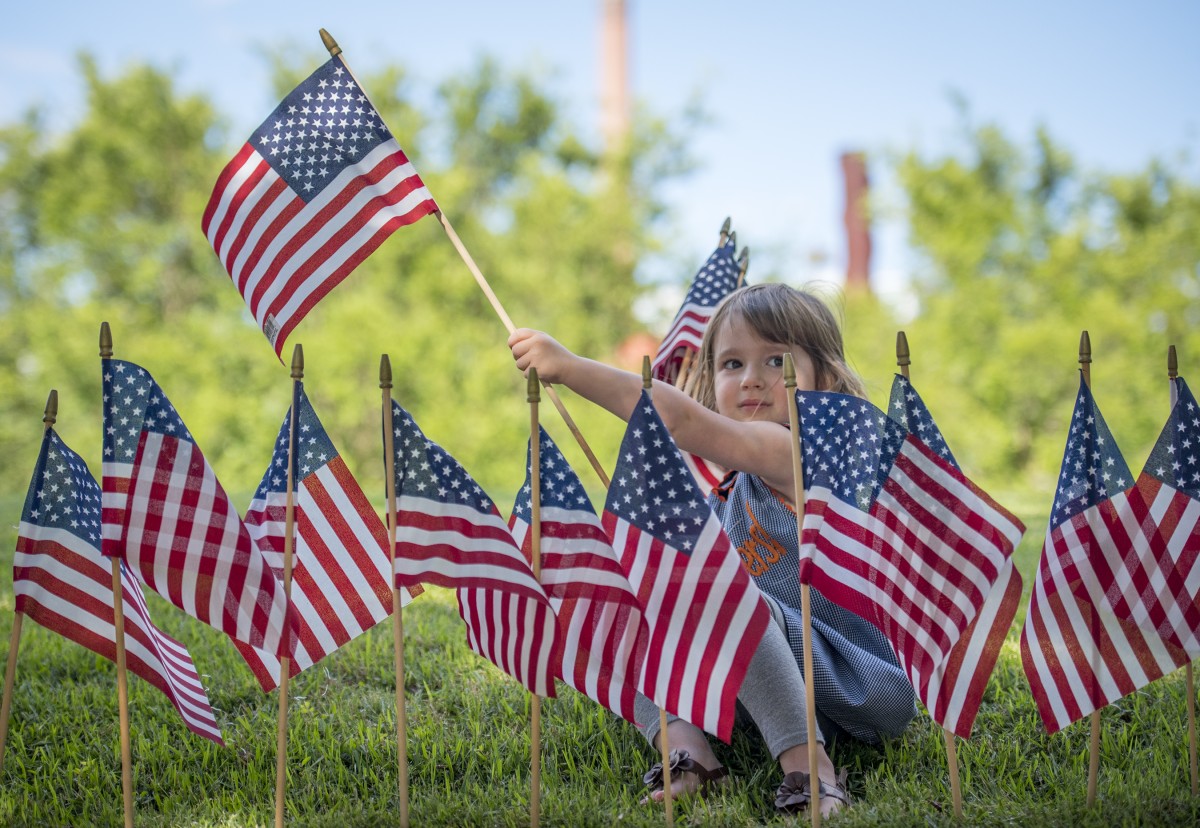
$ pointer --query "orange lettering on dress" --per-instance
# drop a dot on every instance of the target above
(760, 550)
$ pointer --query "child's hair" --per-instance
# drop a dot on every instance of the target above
(782, 314)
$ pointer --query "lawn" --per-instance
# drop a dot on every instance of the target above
(469, 745)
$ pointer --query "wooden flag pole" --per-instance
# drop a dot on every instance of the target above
(904, 360)
(389, 467)
(1194, 767)
(335, 50)
(663, 742)
(810, 701)
(1085, 368)
(289, 531)
(106, 352)
(14, 641)
(535, 547)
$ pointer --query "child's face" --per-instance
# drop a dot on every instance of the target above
(748, 374)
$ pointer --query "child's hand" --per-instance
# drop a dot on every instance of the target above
(534, 349)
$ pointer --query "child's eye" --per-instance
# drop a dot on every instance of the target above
(731, 364)
(775, 361)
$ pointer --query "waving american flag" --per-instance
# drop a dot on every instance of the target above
(341, 568)
(312, 193)
(599, 619)
(895, 534)
(705, 616)
(449, 533)
(166, 515)
(1078, 654)
(63, 582)
(958, 684)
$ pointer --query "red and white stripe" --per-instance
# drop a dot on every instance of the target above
(65, 584)
(685, 335)
(919, 566)
(283, 254)
(708, 475)
(341, 569)
(1078, 654)
(189, 545)
(600, 623)
(956, 687)
(704, 615)
(509, 618)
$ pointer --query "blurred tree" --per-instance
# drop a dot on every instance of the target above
(1021, 251)
(102, 223)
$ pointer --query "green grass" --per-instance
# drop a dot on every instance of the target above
(469, 748)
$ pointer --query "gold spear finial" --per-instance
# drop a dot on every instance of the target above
(743, 264)
(106, 349)
(298, 362)
(647, 377)
(789, 371)
(533, 389)
(385, 371)
(1085, 348)
(51, 415)
(330, 44)
(725, 228)
(902, 356)
(1172, 363)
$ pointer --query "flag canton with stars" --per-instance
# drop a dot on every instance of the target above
(652, 488)
(425, 469)
(1175, 459)
(849, 446)
(907, 408)
(133, 400)
(560, 486)
(64, 494)
(1093, 469)
(325, 125)
(716, 278)
(313, 450)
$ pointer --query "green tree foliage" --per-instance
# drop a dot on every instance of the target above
(1021, 251)
(103, 223)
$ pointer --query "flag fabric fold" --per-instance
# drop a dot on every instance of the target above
(965, 673)
(63, 582)
(449, 533)
(704, 614)
(896, 534)
(310, 195)
(1078, 654)
(599, 619)
(166, 515)
(341, 567)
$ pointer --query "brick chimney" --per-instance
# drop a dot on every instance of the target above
(858, 230)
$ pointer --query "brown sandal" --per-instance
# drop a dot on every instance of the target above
(795, 793)
(682, 762)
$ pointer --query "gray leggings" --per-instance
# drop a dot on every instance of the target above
(772, 695)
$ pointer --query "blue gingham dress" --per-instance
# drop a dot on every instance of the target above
(857, 683)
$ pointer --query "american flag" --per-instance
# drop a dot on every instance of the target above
(1157, 585)
(312, 193)
(1078, 654)
(599, 620)
(166, 515)
(450, 533)
(341, 568)
(62, 582)
(962, 679)
(895, 534)
(716, 279)
(705, 615)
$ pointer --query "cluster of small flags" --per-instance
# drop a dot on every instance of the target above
(650, 596)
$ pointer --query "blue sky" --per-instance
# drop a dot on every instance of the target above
(790, 85)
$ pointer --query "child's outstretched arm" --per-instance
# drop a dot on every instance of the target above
(759, 448)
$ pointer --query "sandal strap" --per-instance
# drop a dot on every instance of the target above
(795, 792)
(838, 789)
(682, 762)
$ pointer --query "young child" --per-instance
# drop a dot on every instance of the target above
(741, 400)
